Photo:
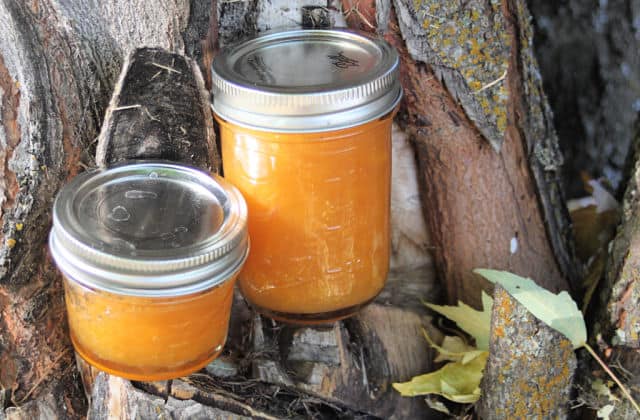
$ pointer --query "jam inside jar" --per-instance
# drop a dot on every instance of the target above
(305, 126)
(150, 253)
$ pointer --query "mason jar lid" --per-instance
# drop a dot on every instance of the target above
(149, 229)
(306, 81)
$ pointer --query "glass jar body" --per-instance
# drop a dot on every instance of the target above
(148, 338)
(318, 217)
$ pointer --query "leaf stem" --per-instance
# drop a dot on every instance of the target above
(613, 376)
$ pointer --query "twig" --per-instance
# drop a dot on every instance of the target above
(167, 68)
(354, 9)
(613, 376)
(491, 84)
(149, 114)
(44, 375)
(122, 108)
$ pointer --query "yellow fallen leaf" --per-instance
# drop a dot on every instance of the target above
(474, 323)
(456, 381)
(453, 349)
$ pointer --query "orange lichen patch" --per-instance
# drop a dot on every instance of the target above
(504, 309)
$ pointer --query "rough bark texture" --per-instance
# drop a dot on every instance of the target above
(114, 397)
(155, 113)
(590, 62)
(484, 209)
(616, 317)
(530, 367)
(59, 60)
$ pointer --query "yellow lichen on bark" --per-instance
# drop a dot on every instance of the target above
(472, 38)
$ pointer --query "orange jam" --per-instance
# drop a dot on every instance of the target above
(319, 216)
(150, 253)
(144, 338)
(305, 126)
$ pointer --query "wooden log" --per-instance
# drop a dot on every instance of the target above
(530, 368)
(158, 111)
(114, 397)
(59, 60)
(484, 208)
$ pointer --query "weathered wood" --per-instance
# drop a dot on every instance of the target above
(153, 114)
(116, 398)
(530, 368)
(59, 60)
(483, 209)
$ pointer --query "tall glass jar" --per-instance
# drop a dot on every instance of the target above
(150, 253)
(305, 124)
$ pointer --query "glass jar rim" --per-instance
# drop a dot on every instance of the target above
(349, 78)
(149, 229)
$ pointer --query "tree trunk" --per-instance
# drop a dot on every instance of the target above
(488, 168)
(487, 151)
(59, 60)
(615, 326)
(588, 54)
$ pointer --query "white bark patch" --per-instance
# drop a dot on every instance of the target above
(513, 245)
(281, 14)
(409, 236)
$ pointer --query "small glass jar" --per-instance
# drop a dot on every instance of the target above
(150, 253)
(305, 126)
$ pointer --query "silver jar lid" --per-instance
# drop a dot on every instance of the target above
(306, 81)
(149, 229)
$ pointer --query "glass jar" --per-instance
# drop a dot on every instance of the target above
(305, 125)
(149, 254)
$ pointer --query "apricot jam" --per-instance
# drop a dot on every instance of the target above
(150, 253)
(305, 125)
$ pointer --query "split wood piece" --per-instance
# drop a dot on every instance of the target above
(530, 368)
(352, 363)
(159, 110)
(501, 210)
(117, 398)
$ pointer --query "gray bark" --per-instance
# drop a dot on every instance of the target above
(615, 313)
(590, 64)
(530, 368)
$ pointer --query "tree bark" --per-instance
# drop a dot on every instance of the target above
(588, 54)
(487, 152)
(519, 344)
(59, 60)
(615, 326)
